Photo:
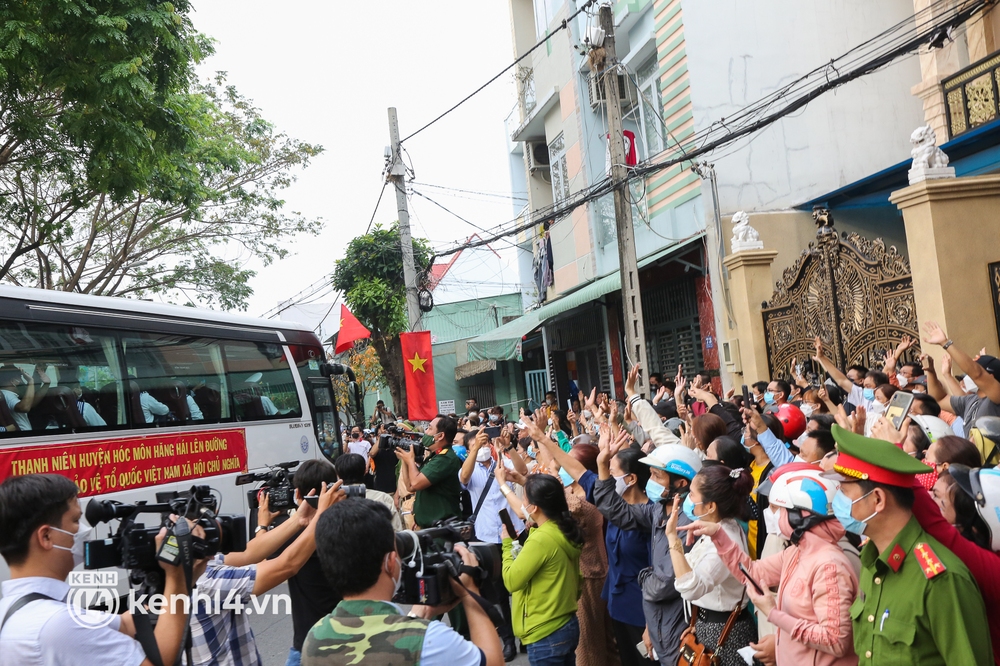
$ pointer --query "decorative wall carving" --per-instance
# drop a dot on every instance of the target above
(853, 292)
(994, 270)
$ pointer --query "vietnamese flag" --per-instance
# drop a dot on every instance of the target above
(350, 330)
(421, 396)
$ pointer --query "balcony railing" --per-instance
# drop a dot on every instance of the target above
(971, 96)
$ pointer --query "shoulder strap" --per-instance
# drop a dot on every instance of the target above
(482, 497)
(21, 603)
(731, 621)
(147, 639)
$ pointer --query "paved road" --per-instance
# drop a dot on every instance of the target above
(274, 635)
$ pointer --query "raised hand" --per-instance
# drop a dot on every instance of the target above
(934, 334)
(619, 442)
(633, 377)
(818, 344)
(927, 362)
(946, 364)
(904, 343)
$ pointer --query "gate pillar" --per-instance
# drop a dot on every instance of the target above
(750, 284)
(951, 236)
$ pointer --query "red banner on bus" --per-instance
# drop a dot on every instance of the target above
(111, 465)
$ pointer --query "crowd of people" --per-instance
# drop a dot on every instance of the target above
(833, 516)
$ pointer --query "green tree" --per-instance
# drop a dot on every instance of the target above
(206, 210)
(371, 278)
(364, 360)
(86, 87)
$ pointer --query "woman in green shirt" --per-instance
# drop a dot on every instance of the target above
(544, 578)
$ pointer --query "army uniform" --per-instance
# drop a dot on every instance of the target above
(369, 632)
(918, 603)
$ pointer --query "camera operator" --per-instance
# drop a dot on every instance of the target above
(438, 490)
(357, 548)
(225, 637)
(42, 533)
(351, 469)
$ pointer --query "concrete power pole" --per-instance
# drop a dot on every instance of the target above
(635, 333)
(397, 176)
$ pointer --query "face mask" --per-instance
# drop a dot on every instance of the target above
(876, 408)
(532, 453)
(689, 506)
(620, 485)
(483, 455)
(494, 418)
(807, 409)
(842, 506)
(550, 421)
(566, 479)
(526, 513)
(902, 381)
(396, 582)
(654, 491)
(587, 414)
(550, 402)
(743, 441)
(868, 394)
(471, 414)
(969, 385)
(427, 441)
(784, 528)
(79, 537)
(771, 520)
(769, 397)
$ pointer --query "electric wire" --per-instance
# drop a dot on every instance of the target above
(374, 212)
(454, 214)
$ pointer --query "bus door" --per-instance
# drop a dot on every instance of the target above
(326, 420)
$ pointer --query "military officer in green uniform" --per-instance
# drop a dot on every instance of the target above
(918, 604)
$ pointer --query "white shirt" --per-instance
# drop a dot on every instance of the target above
(268, 405)
(386, 499)
(360, 447)
(20, 418)
(195, 410)
(443, 646)
(489, 527)
(709, 584)
(151, 406)
(43, 633)
(89, 414)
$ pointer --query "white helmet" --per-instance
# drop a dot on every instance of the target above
(674, 458)
(983, 485)
(934, 427)
(803, 486)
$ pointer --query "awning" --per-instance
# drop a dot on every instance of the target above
(474, 368)
(504, 343)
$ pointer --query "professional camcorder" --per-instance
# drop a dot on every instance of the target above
(398, 438)
(430, 561)
(133, 546)
(277, 485)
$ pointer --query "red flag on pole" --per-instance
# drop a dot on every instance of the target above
(421, 397)
(350, 330)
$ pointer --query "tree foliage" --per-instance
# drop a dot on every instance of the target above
(205, 210)
(88, 87)
(371, 278)
(364, 360)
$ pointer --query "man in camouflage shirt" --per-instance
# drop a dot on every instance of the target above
(357, 549)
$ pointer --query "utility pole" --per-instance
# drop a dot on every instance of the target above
(397, 176)
(635, 333)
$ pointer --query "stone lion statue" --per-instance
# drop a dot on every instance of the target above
(743, 233)
(925, 153)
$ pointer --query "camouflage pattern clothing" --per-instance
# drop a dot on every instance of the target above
(369, 632)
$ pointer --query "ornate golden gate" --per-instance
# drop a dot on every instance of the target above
(854, 293)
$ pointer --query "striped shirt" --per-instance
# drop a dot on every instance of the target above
(224, 638)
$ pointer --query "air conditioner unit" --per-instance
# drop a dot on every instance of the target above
(538, 157)
(626, 92)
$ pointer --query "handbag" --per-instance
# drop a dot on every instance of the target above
(693, 652)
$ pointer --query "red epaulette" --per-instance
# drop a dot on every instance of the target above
(929, 562)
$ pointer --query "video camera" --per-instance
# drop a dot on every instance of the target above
(277, 485)
(398, 438)
(430, 561)
(133, 546)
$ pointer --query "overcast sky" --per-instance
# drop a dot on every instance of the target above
(325, 72)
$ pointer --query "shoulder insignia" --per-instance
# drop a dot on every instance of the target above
(896, 557)
(929, 562)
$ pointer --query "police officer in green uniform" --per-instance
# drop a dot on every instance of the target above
(918, 604)
(356, 546)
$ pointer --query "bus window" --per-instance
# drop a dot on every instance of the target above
(261, 382)
(74, 371)
(175, 379)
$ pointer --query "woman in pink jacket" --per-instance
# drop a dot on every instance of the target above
(816, 581)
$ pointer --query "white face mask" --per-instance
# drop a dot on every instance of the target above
(396, 582)
(483, 455)
(902, 380)
(550, 421)
(81, 535)
(494, 418)
(620, 485)
(807, 409)
(969, 385)
(587, 414)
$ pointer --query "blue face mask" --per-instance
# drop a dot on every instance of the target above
(869, 394)
(532, 453)
(567, 480)
(654, 491)
(689, 506)
(769, 398)
(842, 506)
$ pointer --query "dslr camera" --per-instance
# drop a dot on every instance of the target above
(430, 561)
(395, 437)
(133, 545)
(277, 485)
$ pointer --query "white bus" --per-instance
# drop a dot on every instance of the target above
(131, 398)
